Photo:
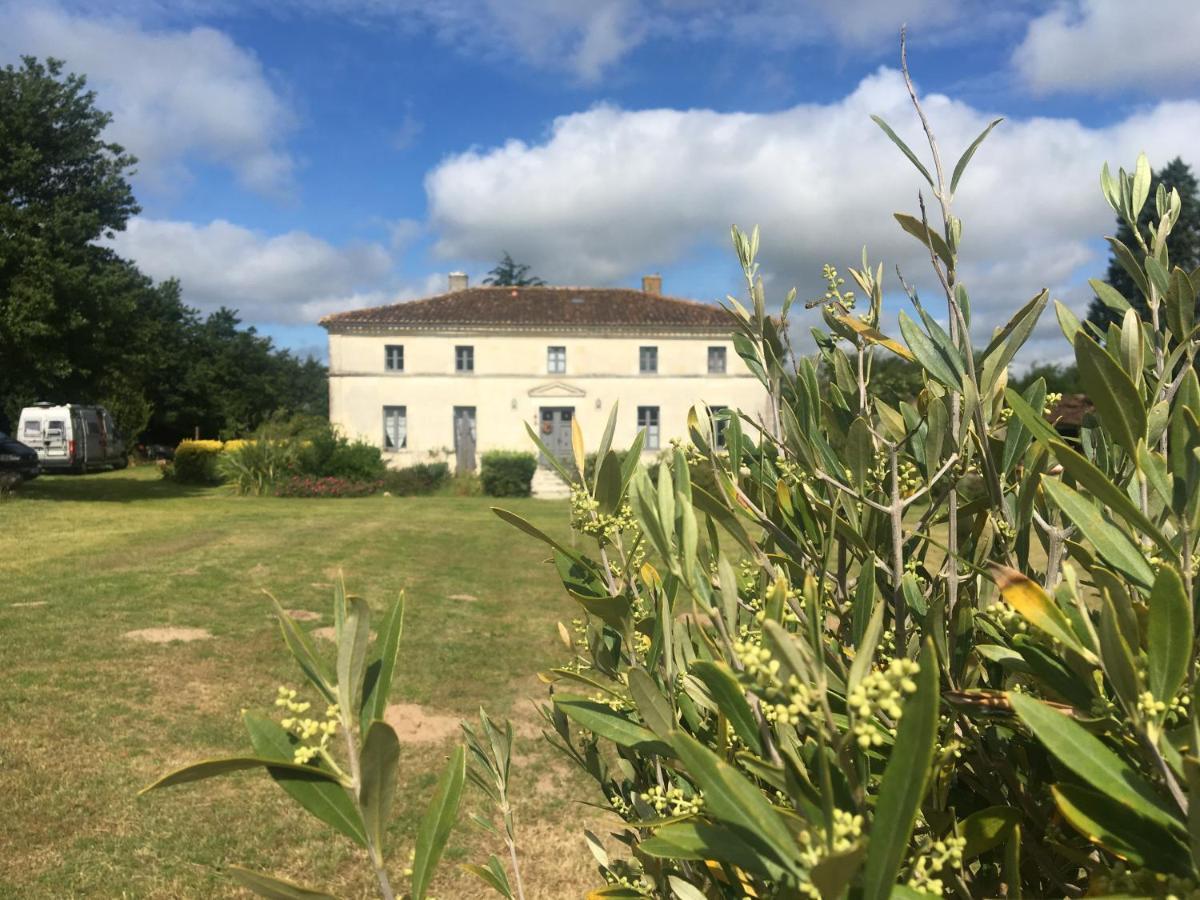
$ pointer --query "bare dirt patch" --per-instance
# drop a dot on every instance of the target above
(329, 633)
(417, 724)
(469, 598)
(302, 615)
(168, 635)
(30, 603)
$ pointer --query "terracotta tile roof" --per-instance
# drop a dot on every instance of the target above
(530, 307)
(1068, 414)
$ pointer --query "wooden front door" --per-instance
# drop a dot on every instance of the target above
(556, 433)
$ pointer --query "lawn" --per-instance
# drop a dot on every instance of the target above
(88, 715)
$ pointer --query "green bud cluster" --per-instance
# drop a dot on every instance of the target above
(939, 856)
(306, 729)
(815, 845)
(785, 703)
(673, 801)
(881, 692)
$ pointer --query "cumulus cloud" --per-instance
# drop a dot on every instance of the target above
(287, 278)
(1100, 45)
(177, 96)
(610, 192)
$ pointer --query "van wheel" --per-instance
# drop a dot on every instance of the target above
(121, 463)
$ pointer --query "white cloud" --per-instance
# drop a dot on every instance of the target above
(176, 96)
(1100, 45)
(287, 278)
(611, 193)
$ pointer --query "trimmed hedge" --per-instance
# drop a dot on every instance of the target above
(507, 473)
(196, 462)
(423, 478)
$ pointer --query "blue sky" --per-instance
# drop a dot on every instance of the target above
(308, 157)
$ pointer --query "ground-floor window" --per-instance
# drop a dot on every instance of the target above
(647, 421)
(720, 417)
(395, 427)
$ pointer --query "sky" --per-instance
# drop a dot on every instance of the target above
(302, 158)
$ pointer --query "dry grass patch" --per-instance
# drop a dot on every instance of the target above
(169, 635)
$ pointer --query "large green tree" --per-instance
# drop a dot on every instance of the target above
(77, 322)
(1183, 245)
(509, 272)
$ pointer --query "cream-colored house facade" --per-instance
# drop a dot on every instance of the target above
(415, 377)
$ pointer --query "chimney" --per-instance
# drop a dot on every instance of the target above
(458, 281)
(652, 284)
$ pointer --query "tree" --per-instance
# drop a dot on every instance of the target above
(1183, 245)
(1060, 378)
(510, 272)
(80, 324)
(62, 187)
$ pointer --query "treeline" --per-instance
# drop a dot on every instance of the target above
(80, 324)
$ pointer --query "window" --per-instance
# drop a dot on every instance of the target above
(33, 428)
(464, 359)
(716, 360)
(720, 417)
(647, 360)
(393, 357)
(395, 427)
(464, 423)
(647, 421)
(556, 360)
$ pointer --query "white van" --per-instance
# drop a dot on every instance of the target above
(72, 438)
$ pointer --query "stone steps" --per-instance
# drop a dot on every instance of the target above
(547, 485)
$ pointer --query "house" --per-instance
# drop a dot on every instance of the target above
(426, 378)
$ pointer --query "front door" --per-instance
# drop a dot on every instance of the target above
(556, 433)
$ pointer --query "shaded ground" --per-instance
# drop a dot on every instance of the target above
(88, 715)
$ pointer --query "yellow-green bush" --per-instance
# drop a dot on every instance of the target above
(196, 462)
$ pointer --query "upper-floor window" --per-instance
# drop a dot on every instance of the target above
(647, 360)
(556, 360)
(716, 360)
(395, 427)
(393, 357)
(464, 359)
(647, 421)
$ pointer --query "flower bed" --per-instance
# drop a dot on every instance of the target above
(329, 486)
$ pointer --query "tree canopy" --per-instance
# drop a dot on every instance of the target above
(509, 272)
(80, 324)
(1183, 245)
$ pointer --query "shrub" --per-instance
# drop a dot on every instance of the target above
(328, 453)
(422, 478)
(507, 473)
(923, 649)
(253, 467)
(329, 486)
(355, 461)
(195, 462)
(464, 485)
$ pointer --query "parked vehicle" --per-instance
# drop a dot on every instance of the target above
(17, 460)
(72, 437)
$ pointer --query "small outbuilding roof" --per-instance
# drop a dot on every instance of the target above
(538, 307)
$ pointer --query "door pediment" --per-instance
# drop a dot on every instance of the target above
(557, 389)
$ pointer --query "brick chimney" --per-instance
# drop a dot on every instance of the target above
(459, 281)
(652, 284)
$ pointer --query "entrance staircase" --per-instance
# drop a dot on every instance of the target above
(547, 485)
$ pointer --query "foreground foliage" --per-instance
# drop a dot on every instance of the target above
(930, 648)
(350, 790)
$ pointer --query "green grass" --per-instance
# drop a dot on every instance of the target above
(88, 716)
